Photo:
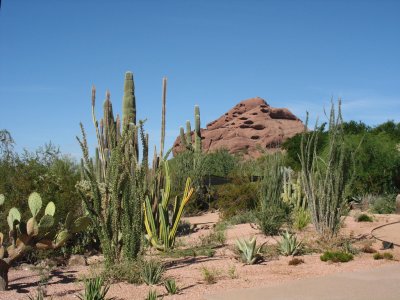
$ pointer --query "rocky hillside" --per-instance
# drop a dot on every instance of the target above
(247, 128)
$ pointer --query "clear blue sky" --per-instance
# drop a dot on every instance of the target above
(295, 54)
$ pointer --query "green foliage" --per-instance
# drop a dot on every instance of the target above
(128, 271)
(289, 244)
(152, 295)
(236, 198)
(364, 218)
(383, 204)
(215, 238)
(171, 287)
(244, 217)
(300, 218)
(152, 271)
(386, 255)
(210, 276)
(95, 289)
(248, 250)
(114, 183)
(336, 256)
(326, 176)
(161, 225)
(271, 219)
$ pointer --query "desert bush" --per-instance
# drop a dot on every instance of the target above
(249, 252)
(300, 218)
(216, 237)
(129, 271)
(295, 261)
(243, 218)
(95, 289)
(232, 272)
(271, 219)
(289, 244)
(151, 271)
(236, 198)
(363, 218)
(171, 287)
(383, 204)
(367, 249)
(210, 275)
(336, 256)
(386, 255)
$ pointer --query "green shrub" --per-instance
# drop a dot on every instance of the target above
(386, 255)
(151, 295)
(300, 218)
(216, 237)
(236, 198)
(210, 276)
(95, 289)
(289, 244)
(364, 218)
(243, 218)
(128, 271)
(171, 287)
(151, 271)
(271, 219)
(336, 256)
(383, 204)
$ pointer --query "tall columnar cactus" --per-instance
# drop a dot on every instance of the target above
(292, 190)
(35, 233)
(161, 225)
(186, 138)
(129, 100)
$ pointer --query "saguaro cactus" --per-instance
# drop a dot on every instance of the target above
(36, 233)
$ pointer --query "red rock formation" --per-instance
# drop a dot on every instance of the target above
(247, 128)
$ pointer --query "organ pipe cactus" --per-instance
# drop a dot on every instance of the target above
(37, 233)
(292, 190)
(162, 225)
(186, 138)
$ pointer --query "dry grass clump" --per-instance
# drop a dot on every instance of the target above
(296, 261)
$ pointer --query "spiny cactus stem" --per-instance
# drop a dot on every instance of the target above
(99, 140)
(164, 100)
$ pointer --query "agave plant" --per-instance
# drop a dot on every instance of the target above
(250, 253)
(171, 287)
(95, 289)
(289, 244)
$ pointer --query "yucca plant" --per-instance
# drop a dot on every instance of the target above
(152, 271)
(161, 224)
(171, 287)
(289, 244)
(249, 252)
(95, 289)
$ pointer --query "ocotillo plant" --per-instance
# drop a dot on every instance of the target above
(161, 227)
(113, 187)
(325, 177)
(37, 233)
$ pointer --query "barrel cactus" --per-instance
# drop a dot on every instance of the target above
(36, 233)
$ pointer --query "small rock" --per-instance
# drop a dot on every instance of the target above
(398, 204)
(77, 260)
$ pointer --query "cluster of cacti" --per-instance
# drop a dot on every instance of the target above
(35, 233)
(186, 138)
(114, 185)
(292, 190)
(162, 224)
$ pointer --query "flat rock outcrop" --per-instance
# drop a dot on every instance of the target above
(249, 128)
